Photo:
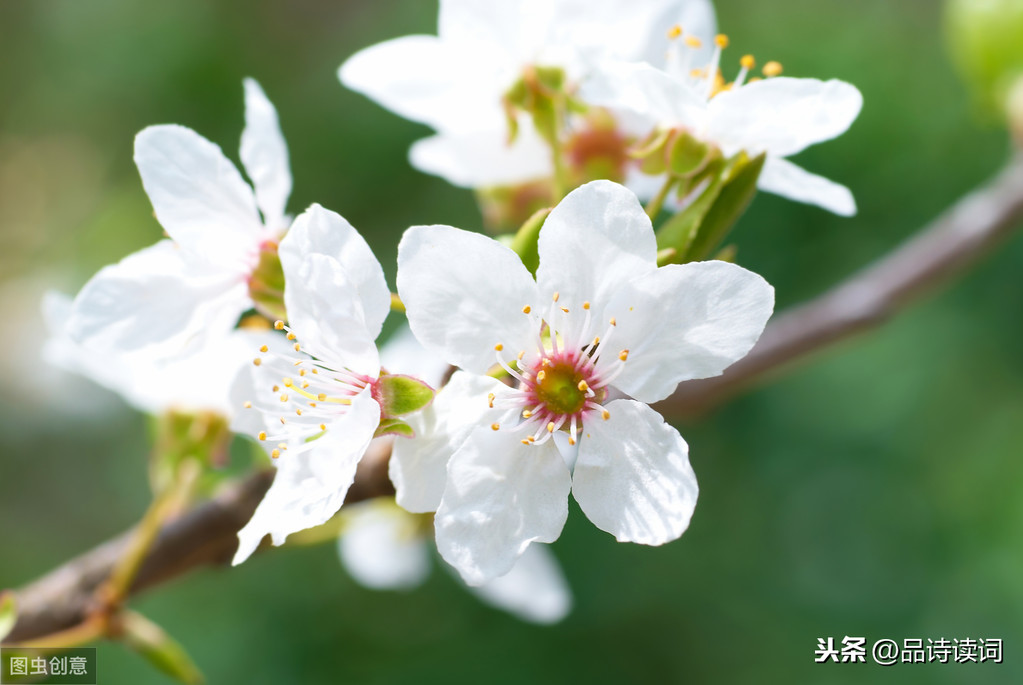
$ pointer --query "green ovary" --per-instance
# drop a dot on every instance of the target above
(559, 389)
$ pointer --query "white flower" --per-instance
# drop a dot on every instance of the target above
(198, 381)
(197, 283)
(315, 406)
(456, 81)
(780, 116)
(386, 548)
(599, 320)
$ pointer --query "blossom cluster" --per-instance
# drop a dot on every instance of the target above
(529, 363)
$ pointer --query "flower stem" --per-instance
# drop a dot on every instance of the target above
(653, 207)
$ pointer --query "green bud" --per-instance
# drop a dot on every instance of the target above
(985, 38)
(266, 284)
(203, 437)
(399, 395)
(526, 239)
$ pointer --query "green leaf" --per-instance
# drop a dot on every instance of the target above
(733, 199)
(8, 613)
(399, 394)
(524, 244)
(158, 648)
(678, 232)
(394, 427)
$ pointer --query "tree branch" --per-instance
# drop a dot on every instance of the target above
(207, 535)
(934, 256)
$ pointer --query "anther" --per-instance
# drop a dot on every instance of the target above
(301, 372)
(586, 305)
(772, 69)
(526, 413)
(298, 348)
(540, 376)
(556, 295)
(262, 435)
(291, 336)
(498, 347)
(623, 355)
(605, 414)
(284, 397)
(583, 387)
(747, 62)
(298, 410)
(247, 405)
(275, 388)
(495, 426)
(276, 453)
(264, 348)
(257, 361)
(323, 426)
(571, 441)
(525, 442)
(288, 383)
(721, 40)
(279, 325)
(527, 309)
(283, 421)
(613, 321)
(565, 309)
(550, 427)
(694, 42)
(520, 355)
(490, 400)
(674, 32)
(322, 397)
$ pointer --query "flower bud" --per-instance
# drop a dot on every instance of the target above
(985, 41)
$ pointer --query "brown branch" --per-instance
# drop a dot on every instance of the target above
(934, 256)
(206, 535)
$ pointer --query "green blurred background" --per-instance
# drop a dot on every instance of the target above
(877, 491)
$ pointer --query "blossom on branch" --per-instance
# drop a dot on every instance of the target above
(221, 257)
(600, 333)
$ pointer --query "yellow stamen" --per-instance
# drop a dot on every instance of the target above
(747, 62)
(674, 32)
(284, 397)
(257, 361)
(276, 453)
(322, 397)
(248, 405)
(279, 325)
(613, 321)
(550, 427)
(527, 309)
(694, 42)
(583, 387)
(264, 348)
(276, 388)
(291, 336)
(586, 305)
(571, 441)
(565, 309)
(526, 413)
(323, 426)
(498, 347)
(490, 400)
(495, 426)
(540, 376)
(772, 68)
(721, 40)
(298, 348)
(288, 382)
(262, 435)
(556, 295)
(605, 414)
(623, 355)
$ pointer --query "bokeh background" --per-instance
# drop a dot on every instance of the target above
(876, 491)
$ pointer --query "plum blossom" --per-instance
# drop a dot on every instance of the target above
(600, 333)
(779, 116)
(384, 547)
(196, 284)
(456, 81)
(315, 405)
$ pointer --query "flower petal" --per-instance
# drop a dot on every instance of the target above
(633, 477)
(782, 115)
(501, 496)
(418, 466)
(198, 195)
(784, 178)
(311, 485)
(483, 158)
(265, 155)
(464, 294)
(423, 79)
(652, 95)
(325, 313)
(535, 589)
(321, 231)
(686, 321)
(593, 242)
(382, 549)
(158, 296)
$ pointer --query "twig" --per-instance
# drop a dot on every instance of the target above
(64, 598)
